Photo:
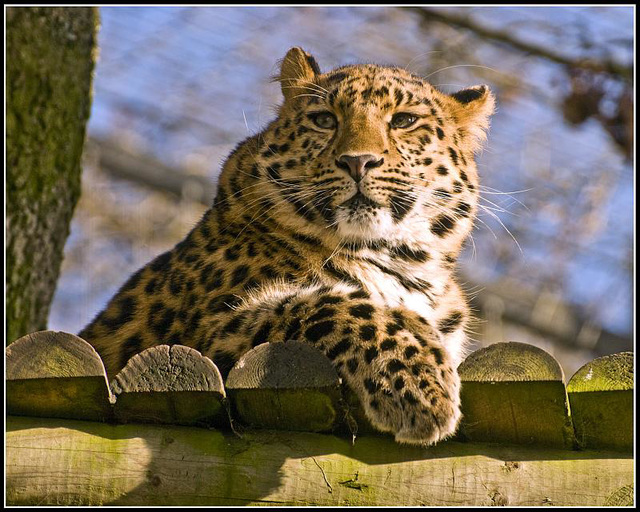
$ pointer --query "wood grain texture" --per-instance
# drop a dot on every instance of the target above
(510, 362)
(170, 384)
(168, 368)
(514, 393)
(50, 354)
(288, 385)
(289, 365)
(601, 398)
(65, 462)
(622, 497)
(56, 374)
(607, 373)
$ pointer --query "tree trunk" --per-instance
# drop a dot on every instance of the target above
(50, 53)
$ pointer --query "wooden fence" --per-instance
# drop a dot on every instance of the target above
(283, 430)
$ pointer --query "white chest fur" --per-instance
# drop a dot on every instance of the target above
(433, 303)
(395, 283)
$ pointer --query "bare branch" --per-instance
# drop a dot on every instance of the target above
(147, 171)
(451, 18)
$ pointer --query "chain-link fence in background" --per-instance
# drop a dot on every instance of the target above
(551, 258)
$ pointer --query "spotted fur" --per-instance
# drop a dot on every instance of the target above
(338, 225)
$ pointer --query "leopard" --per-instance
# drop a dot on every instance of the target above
(338, 225)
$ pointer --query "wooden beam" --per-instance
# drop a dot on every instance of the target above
(511, 392)
(56, 374)
(70, 462)
(514, 393)
(601, 397)
(292, 384)
(170, 384)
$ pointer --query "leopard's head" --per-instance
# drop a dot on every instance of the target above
(371, 152)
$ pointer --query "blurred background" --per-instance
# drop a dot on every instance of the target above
(551, 260)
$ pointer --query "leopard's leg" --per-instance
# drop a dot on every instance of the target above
(392, 359)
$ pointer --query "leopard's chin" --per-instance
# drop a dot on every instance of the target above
(360, 218)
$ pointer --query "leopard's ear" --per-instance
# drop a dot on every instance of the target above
(472, 109)
(297, 70)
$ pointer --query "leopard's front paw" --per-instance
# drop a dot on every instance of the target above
(433, 422)
(420, 404)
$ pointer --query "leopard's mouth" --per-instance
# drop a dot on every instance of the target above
(360, 201)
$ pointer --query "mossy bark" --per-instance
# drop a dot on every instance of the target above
(50, 56)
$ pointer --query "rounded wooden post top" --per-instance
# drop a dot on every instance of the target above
(508, 362)
(52, 354)
(168, 368)
(287, 365)
(608, 373)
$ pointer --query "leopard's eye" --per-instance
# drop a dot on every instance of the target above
(324, 120)
(403, 120)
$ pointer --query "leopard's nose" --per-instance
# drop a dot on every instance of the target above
(358, 165)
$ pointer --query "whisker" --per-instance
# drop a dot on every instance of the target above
(461, 66)
(490, 191)
(317, 86)
(420, 56)
(498, 209)
(506, 229)
(303, 87)
(310, 96)
(245, 121)
(275, 193)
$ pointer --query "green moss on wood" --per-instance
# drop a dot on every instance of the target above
(516, 412)
(290, 386)
(514, 393)
(601, 398)
(161, 465)
(50, 355)
(622, 497)
(56, 374)
(608, 373)
(203, 408)
(170, 384)
(603, 420)
(509, 362)
(50, 55)
(311, 410)
(84, 398)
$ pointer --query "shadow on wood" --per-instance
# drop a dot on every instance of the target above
(69, 462)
